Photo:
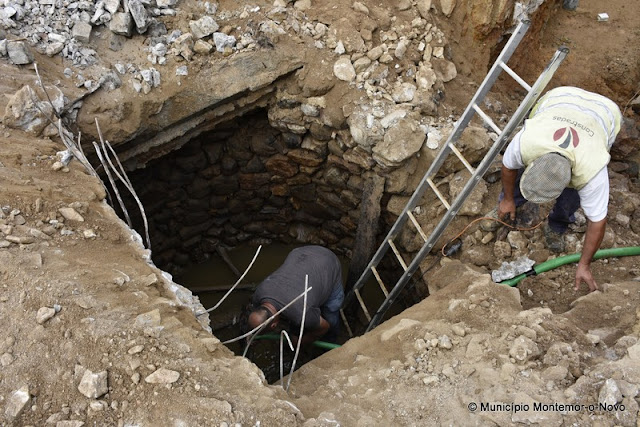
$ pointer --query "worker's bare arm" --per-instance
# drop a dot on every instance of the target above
(592, 240)
(507, 206)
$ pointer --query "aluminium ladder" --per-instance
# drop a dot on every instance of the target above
(533, 93)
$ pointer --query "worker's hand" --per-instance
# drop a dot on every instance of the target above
(507, 210)
(583, 274)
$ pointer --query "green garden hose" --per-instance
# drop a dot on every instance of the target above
(320, 344)
(568, 259)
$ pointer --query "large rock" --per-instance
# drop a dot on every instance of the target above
(203, 27)
(473, 204)
(139, 14)
(19, 53)
(447, 6)
(81, 31)
(424, 7)
(365, 130)
(445, 70)
(401, 141)
(25, 110)
(121, 23)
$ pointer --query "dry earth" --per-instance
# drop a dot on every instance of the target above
(95, 334)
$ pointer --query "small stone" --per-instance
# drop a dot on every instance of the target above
(71, 214)
(93, 385)
(6, 359)
(135, 378)
(163, 376)
(89, 234)
(202, 47)
(343, 69)
(445, 342)
(44, 314)
(223, 41)
(135, 349)
(16, 402)
(458, 330)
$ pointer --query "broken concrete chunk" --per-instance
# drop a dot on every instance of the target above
(81, 31)
(203, 27)
(19, 53)
(139, 14)
(223, 41)
(163, 376)
(16, 402)
(93, 385)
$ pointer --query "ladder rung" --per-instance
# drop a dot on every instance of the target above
(395, 251)
(344, 320)
(515, 76)
(464, 161)
(415, 223)
(487, 119)
(440, 196)
(364, 307)
(382, 286)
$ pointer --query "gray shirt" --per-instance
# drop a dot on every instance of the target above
(287, 282)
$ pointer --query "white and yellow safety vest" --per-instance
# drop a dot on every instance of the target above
(578, 124)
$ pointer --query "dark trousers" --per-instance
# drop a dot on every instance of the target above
(563, 211)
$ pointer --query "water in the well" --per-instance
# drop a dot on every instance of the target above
(211, 280)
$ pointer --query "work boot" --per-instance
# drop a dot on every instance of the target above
(490, 224)
(554, 240)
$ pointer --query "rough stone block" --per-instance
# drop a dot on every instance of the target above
(122, 24)
(19, 53)
(139, 14)
(112, 6)
(203, 27)
(81, 31)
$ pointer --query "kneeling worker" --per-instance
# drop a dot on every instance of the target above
(322, 318)
(564, 151)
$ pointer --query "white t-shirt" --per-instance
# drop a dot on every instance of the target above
(594, 196)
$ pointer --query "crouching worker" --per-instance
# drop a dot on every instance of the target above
(562, 154)
(322, 318)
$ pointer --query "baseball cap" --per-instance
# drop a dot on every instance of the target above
(545, 178)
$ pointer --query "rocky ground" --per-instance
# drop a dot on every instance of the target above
(96, 334)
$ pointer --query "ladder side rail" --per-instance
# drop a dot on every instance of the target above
(469, 111)
(498, 145)
(483, 89)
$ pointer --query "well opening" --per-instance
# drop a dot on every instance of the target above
(243, 184)
(246, 182)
